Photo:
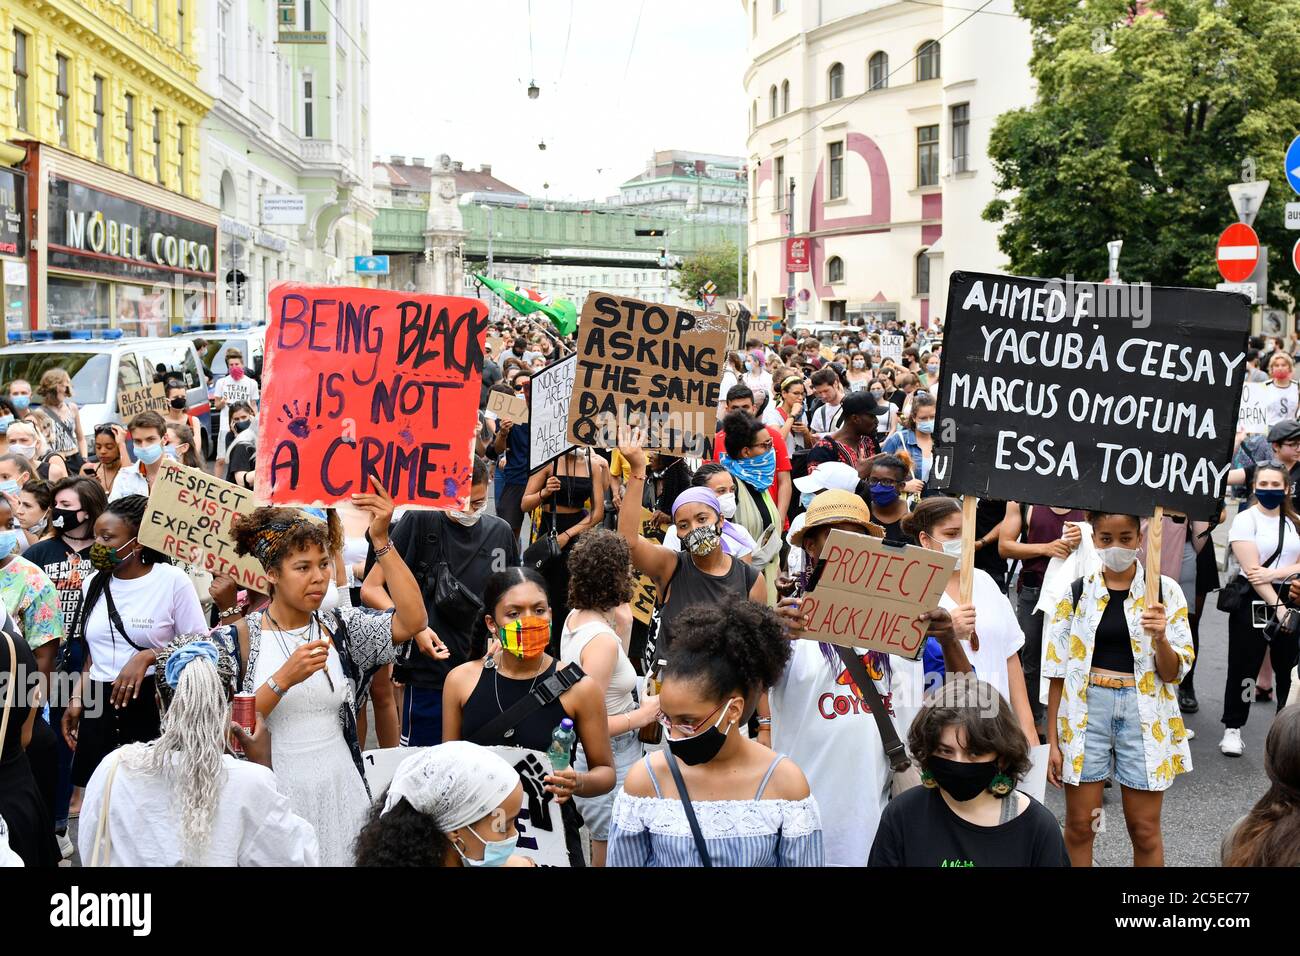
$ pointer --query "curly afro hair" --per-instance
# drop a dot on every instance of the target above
(328, 535)
(737, 645)
(401, 837)
(600, 571)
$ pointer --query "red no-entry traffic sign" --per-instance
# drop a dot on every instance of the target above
(1238, 252)
(1295, 255)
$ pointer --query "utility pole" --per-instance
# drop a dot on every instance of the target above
(668, 266)
(789, 292)
(489, 211)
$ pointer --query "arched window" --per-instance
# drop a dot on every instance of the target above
(771, 102)
(878, 70)
(835, 82)
(922, 273)
(753, 115)
(785, 96)
(227, 193)
(835, 270)
(927, 60)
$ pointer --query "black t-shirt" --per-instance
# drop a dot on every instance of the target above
(426, 538)
(67, 569)
(988, 515)
(1111, 649)
(919, 829)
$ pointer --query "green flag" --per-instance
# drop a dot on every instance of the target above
(562, 313)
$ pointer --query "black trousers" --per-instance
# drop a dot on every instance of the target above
(510, 507)
(1246, 650)
(109, 728)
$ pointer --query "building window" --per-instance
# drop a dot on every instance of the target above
(961, 138)
(785, 96)
(180, 25)
(180, 157)
(837, 170)
(157, 145)
(927, 155)
(778, 197)
(99, 118)
(306, 14)
(223, 39)
(835, 270)
(130, 134)
(835, 82)
(20, 79)
(308, 108)
(772, 102)
(61, 95)
(753, 10)
(778, 6)
(927, 61)
(922, 273)
(753, 111)
(878, 71)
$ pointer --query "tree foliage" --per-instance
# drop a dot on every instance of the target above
(1145, 113)
(716, 262)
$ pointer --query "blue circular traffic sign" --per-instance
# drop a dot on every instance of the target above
(1292, 169)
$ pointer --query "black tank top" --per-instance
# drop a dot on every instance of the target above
(690, 586)
(494, 694)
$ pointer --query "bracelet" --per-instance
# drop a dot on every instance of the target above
(234, 611)
(764, 721)
(75, 697)
(275, 688)
(632, 477)
(380, 552)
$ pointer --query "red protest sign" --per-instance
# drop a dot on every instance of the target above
(368, 382)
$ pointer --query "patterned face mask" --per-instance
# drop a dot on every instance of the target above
(527, 637)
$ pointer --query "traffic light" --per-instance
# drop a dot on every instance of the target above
(650, 233)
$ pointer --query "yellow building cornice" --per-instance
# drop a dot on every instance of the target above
(115, 34)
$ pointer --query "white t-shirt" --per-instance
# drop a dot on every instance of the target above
(759, 382)
(826, 420)
(154, 609)
(818, 722)
(729, 379)
(244, 390)
(1261, 529)
(252, 822)
(1279, 405)
(999, 632)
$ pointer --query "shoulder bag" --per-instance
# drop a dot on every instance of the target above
(545, 550)
(701, 847)
(454, 601)
(1237, 593)
(904, 774)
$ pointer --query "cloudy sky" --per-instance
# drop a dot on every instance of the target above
(452, 77)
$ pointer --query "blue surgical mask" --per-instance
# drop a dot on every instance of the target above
(5, 422)
(9, 487)
(21, 402)
(170, 452)
(8, 541)
(495, 852)
(149, 454)
(806, 498)
(883, 494)
(925, 428)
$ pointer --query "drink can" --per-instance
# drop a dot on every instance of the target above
(244, 713)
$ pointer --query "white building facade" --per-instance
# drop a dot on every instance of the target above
(884, 129)
(290, 121)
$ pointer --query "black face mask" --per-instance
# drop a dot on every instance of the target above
(179, 403)
(704, 746)
(66, 519)
(961, 781)
(241, 426)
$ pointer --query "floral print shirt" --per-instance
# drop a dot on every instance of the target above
(30, 596)
(1069, 656)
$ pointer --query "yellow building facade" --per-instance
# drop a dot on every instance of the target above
(100, 107)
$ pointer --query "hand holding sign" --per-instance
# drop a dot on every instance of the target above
(380, 507)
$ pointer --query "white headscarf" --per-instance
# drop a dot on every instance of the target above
(456, 783)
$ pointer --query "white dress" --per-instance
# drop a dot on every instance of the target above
(313, 765)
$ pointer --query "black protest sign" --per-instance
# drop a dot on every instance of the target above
(650, 366)
(1114, 398)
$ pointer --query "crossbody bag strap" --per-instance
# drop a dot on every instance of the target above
(115, 619)
(504, 724)
(9, 689)
(700, 846)
(895, 752)
(103, 834)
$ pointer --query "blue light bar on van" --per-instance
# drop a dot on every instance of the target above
(177, 329)
(83, 334)
(224, 327)
(112, 333)
(42, 335)
(22, 335)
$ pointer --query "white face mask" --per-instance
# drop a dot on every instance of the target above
(952, 547)
(467, 518)
(1117, 559)
(728, 504)
(26, 451)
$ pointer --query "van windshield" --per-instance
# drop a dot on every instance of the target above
(89, 371)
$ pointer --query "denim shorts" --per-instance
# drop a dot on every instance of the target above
(1113, 741)
(597, 812)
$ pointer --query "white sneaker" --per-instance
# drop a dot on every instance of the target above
(65, 845)
(1230, 745)
(1191, 734)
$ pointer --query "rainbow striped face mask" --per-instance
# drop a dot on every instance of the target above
(526, 637)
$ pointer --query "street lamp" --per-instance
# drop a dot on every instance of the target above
(488, 209)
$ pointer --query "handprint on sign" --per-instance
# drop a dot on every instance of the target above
(299, 423)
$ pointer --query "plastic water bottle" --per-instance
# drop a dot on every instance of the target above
(562, 740)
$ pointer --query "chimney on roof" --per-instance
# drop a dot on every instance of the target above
(397, 160)
(417, 160)
(485, 169)
(457, 166)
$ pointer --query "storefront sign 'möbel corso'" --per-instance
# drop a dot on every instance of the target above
(363, 384)
(1116, 398)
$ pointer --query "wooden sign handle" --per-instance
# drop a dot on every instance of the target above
(1155, 531)
(966, 580)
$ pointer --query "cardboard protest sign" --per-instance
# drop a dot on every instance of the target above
(189, 518)
(548, 421)
(541, 831)
(147, 398)
(891, 347)
(1103, 397)
(647, 365)
(510, 408)
(1253, 415)
(363, 383)
(643, 598)
(869, 594)
(738, 326)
